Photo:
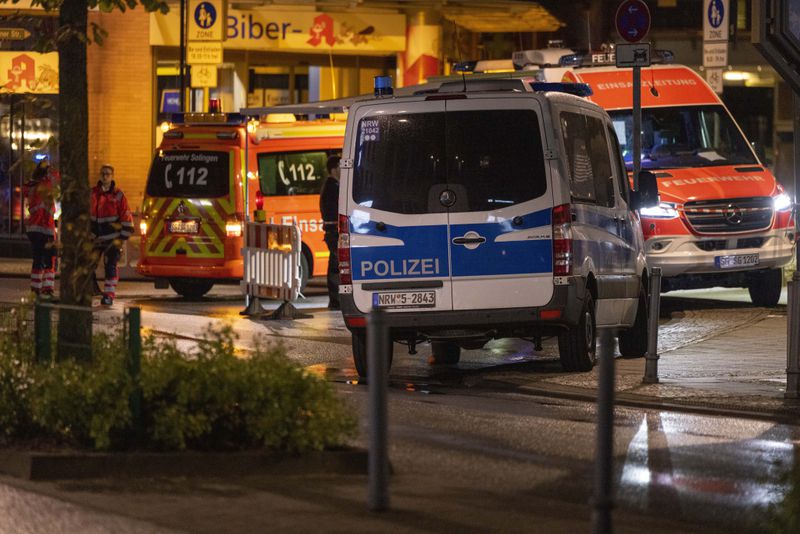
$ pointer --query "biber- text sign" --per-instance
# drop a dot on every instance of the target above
(204, 52)
(206, 20)
(14, 34)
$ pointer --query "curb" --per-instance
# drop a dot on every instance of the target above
(30, 465)
(632, 400)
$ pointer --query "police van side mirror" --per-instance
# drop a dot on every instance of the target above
(647, 194)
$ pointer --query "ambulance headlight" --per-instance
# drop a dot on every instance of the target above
(781, 202)
(664, 210)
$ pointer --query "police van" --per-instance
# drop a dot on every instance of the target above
(491, 209)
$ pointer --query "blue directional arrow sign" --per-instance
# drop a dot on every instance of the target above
(633, 20)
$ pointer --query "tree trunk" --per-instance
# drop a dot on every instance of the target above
(74, 328)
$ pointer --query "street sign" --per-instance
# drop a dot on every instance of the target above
(714, 79)
(715, 20)
(203, 52)
(632, 20)
(204, 75)
(206, 20)
(14, 34)
(633, 55)
(715, 54)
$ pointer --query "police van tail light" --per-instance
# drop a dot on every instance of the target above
(562, 240)
(345, 275)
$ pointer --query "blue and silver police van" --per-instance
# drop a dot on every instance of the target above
(491, 209)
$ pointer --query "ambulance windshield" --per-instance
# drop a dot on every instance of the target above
(692, 136)
(189, 174)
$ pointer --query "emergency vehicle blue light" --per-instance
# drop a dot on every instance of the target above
(465, 66)
(383, 86)
(571, 60)
(577, 89)
(40, 157)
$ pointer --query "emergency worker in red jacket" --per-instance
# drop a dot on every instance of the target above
(40, 198)
(112, 225)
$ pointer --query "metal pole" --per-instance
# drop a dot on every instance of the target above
(651, 358)
(796, 175)
(793, 338)
(378, 380)
(182, 66)
(637, 125)
(42, 328)
(603, 499)
(135, 365)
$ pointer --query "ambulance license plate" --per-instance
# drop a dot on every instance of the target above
(183, 227)
(739, 260)
(404, 299)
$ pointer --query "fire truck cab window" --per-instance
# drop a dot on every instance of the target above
(189, 174)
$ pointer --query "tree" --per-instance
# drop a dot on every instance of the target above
(70, 38)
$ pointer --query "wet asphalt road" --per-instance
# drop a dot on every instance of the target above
(468, 453)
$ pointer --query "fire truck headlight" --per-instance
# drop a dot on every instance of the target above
(164, 126)
(143, 227)
(781, 202)
(233, 229)
(665, 210)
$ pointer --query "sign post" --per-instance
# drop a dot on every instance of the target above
(633, 24)
(205, 33)
(716, 14)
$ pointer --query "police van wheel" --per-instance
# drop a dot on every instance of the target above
(445, 353)
(765, 288)
(191, 288)
(360, 353)
(633, 341)
(577, 344)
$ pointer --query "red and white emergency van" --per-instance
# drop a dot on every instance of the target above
(723, 219)
(194, 207)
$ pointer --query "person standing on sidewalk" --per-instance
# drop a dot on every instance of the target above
(329, 208)
(112, 225)
(40, 196)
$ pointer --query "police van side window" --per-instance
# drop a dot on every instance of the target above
(618, 166)
(588, 158)
(398, 159)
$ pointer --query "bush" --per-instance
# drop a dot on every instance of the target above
(210, 398)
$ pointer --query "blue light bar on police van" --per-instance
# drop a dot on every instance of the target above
(465, 66)
(577, 89)
(383, 86)
(218, 119)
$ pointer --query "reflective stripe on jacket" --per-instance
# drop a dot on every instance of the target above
(40, 199)
(111, 216)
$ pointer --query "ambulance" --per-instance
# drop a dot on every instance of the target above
(723, 219)
(213, 168)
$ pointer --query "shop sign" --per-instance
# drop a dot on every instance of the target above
(29, 72)
(203, 53)
(14, 34)
(303, 31)
(206, 20)
(204, 75)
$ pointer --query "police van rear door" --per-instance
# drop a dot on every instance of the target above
(398, 227)
(499, 203)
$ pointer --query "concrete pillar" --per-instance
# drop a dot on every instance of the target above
(422, 57)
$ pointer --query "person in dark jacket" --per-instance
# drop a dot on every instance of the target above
(112, 224)
(329, 208)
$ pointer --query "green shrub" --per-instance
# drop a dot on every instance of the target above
(210, 398)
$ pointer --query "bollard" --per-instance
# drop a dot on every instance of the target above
(134, 323)
(42, 328)
(793, 339)
(378, 381)
(603, 498)
(651, 358)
